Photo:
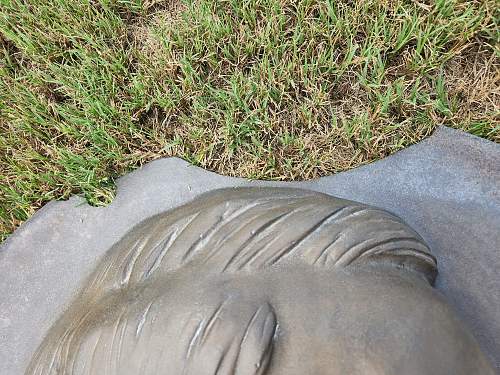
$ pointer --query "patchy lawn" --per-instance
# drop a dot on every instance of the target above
(271, 89)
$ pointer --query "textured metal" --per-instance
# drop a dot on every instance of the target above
(255, 281)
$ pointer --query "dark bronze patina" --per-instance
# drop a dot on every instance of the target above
(254, 281)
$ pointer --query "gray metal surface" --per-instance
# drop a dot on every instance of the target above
(446, 187)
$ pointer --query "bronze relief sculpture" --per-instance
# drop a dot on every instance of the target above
(254, 281)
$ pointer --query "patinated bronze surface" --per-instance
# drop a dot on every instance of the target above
(271, 281)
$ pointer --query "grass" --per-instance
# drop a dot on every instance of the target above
(271, 89)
